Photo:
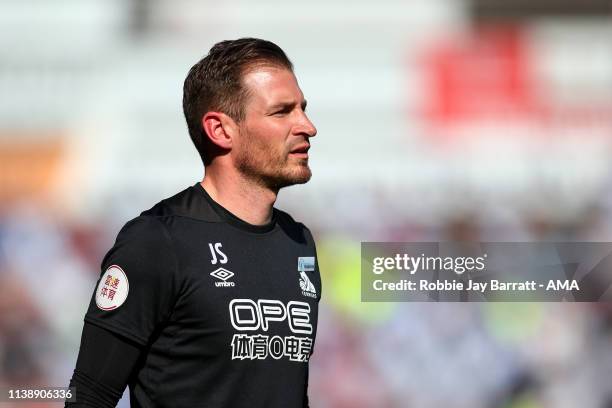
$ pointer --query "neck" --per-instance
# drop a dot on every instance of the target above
(248, 201)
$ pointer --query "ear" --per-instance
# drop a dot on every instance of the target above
(219, 128)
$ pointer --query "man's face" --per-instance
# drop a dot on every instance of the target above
(274, 138)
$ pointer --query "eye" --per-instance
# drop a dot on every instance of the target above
(282, 112)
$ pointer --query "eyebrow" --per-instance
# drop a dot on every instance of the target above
(285, 105)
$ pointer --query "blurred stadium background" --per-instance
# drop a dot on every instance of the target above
(441, 119)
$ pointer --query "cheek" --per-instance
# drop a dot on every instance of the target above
(268, 136)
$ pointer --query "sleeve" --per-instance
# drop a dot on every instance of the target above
(311, 243)
(305, 401)
(104, 366)
(138, 285)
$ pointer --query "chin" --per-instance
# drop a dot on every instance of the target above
(300, 175)
(302, 180)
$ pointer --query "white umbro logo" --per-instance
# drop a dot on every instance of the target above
(223, 275)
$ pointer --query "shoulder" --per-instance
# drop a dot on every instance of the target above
(171, 205)
(292, 227)
(150, 231)
(144, 250)
(144, 234)
(286, 220)
(189, 203)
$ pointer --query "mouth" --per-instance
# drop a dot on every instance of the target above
(300, 151)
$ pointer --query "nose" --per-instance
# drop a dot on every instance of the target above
(305, 126)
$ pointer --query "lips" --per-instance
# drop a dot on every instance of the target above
(303, 148)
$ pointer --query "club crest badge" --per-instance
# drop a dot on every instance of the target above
(306, 264)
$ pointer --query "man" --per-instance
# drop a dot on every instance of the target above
(209, 299)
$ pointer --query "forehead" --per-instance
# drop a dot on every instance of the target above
(268, 85)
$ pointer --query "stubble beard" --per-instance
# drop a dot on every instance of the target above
(270, 168)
